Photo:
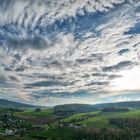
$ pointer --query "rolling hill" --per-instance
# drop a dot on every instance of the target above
(11, 104)
(129, 104)
(68, 109)
(73, 108)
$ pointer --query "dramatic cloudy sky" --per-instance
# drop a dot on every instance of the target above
(69, 51)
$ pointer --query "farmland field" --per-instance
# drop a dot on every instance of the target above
(31, 124)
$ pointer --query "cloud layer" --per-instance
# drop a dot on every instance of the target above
(54, 52)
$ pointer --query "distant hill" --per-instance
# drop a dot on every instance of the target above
(72, 108)
(10, 104)
(130, 104)
(68, 109)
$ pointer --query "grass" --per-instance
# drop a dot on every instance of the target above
(99, 121)
(102, 120)
(55, 133)
(81, 115)
(31, 113)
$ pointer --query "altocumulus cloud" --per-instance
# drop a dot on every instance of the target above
(54, 52)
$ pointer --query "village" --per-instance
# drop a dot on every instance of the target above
(10, 125)
(13, 126)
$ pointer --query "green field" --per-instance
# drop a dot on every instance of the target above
(31, 112)
(99, 121)
(102, 119)
(52, 122)
(55, 132)
(80, 115)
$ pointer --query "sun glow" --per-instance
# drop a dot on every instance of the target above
(129, 80)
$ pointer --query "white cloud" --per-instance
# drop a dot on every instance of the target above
(77, 64)
(29, 12)
(129, 80)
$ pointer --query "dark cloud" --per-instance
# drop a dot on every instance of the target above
(47, 76)
(135, 45)
(17, 57)
(98, 83)
(30, 42)
(4, 83)
(13, 78)
(52, 63)
(43, 84)
(7, 69)
(11, 68)
(48, 83)
(102, 75)
(97, 56)
(123, 51)
(99, 74)
(93, 57)
(19, 69)
(84, 61)
(46, 93)
(113, 76)
(119, 66)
